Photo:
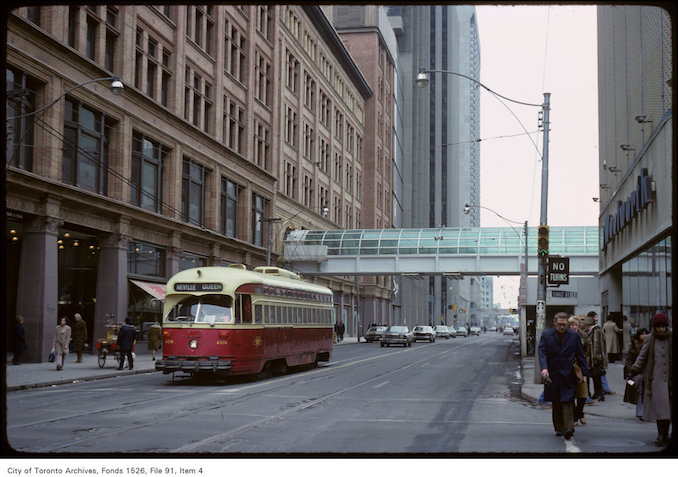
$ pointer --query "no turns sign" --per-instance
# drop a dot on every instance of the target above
(558, 271)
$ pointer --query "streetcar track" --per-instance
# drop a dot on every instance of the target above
(249, 391)
(313, 402)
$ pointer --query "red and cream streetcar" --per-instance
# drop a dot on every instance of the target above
(233, 321)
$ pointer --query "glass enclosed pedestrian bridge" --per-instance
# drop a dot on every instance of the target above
(462, 250)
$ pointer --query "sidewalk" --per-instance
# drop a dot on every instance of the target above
(35, 375)
(613, 406)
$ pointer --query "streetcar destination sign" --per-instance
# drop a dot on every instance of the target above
(198, 287)
(559, 271)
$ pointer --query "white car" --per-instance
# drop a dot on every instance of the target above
(461, 331)
(508, 331)
(475, 330)
(443, 332)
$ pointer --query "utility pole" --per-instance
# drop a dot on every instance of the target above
(270, 221)
(541, 283)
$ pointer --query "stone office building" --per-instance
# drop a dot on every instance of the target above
(216, 130)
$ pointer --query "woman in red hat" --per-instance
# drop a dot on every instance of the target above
(656, 365)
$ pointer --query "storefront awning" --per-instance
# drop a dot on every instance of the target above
(156, 290)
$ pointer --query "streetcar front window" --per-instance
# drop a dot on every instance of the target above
(208, 309)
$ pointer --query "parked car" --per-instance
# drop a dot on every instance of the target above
(442, 332)
(475, 331)
(374, 333)
(397, 335)
(508, 331)
(424, 333)
(461, 331)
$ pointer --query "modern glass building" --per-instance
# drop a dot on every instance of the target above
(440, 164)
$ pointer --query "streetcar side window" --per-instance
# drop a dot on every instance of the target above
(257, 313)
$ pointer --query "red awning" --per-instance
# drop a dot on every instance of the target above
(156, 290)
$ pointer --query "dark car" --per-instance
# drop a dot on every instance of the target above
(443, 332)
(424, 333)
(397, 335)
(374, 333)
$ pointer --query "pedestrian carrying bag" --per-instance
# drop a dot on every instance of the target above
(597, 372)
(52, 356)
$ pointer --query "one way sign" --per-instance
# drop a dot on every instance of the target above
(559, 271)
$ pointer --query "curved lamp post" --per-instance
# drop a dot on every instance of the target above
(116, 88)
(522, 295)
(422, 81)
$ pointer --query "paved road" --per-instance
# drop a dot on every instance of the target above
(453, 396)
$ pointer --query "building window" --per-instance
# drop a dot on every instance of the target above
(263, 79)
(152, 67)
(258, 216)
(325, 110)
(189, 260)
(235, 48)
(262, 145)
(86, 147)
(234, 125)
(197, 100)
(229, 207)
(309, 98)
(309, 192)
(291, 128)
(145, 259)
(200, 26)
(193, 184)
(309, 142)
(338, 126)
(73, 25)
(112, 34)
(324, 159)
(293, 68)
(20, 100)
(264, 21)
(147, 161)
(290, 180)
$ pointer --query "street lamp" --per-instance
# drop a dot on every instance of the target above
(116, 89)
(422, 80)
(522, 294)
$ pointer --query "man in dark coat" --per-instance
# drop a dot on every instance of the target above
(126, 336)
(559, 348)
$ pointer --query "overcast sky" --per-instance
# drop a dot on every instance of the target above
(525, 52)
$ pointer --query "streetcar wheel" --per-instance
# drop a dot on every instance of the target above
(280, 368)
(101, 359)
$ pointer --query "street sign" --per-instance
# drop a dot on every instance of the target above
(558, 271)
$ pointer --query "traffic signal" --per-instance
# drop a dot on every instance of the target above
(543, 241)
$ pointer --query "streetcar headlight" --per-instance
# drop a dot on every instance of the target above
(193, 344)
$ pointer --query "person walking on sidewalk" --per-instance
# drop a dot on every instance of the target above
(79, 336)
(582, 389)
(655, 363)
(611, 331)
(634, 392)
(62, 338)
(154, 338)
(559, 349)
(18, 340)
(598, 356)
(126, 336)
